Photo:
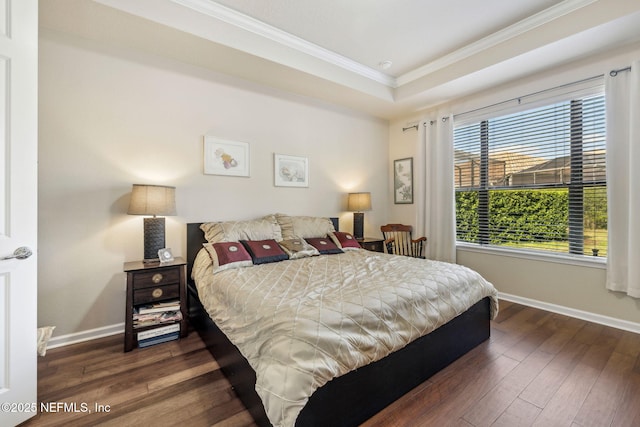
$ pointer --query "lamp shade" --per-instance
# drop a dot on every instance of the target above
(152, 200)
(359, 202)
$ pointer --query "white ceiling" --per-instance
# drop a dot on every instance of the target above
(440, 50)
(410, 33)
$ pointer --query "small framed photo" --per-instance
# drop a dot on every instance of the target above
(290, 171)
(165, 255)
(403, 181)
(223, 157)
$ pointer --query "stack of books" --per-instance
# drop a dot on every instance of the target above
(156, 314)
(158, 335)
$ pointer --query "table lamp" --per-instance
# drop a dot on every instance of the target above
(357, 203)
(152, 200)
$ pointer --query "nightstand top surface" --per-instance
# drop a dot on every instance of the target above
(139, 265)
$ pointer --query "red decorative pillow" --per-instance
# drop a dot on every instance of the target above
(344, 240)
(264, 251)
(226, 255)
(324, 245)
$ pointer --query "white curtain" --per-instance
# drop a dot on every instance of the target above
(623, 180)
(438, 210)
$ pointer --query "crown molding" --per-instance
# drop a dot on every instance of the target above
(247, 23)
(501, 36)
(217, 11)
(211, 9)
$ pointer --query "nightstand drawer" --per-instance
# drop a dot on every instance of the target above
(158, 293)
(156, 278)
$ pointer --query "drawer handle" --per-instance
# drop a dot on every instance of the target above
(157, 293)
(157, 278)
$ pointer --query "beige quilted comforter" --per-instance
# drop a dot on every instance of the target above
(302, 322)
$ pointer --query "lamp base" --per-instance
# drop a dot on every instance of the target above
(153, 238)
(358, 225)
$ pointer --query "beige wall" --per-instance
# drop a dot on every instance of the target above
(566, 285)
(111, 117)
(402, 145)
(578, 288)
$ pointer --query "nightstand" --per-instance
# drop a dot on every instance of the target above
(372, 244)
(149, 284)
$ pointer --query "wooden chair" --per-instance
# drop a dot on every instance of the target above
(398, 240)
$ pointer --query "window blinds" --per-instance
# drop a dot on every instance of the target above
(534, 178)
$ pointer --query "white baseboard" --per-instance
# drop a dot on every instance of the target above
(90, 334)
(572, 312)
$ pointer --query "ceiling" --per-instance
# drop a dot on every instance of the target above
(408, 33)
(439, 50)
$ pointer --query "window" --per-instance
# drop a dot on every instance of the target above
(535, 179)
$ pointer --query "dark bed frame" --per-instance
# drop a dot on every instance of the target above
(357, 396)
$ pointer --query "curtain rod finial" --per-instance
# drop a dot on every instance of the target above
(410, 127)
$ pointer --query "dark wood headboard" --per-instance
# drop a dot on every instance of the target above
(195, 239)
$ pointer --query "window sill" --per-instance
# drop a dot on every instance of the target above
(583, 261)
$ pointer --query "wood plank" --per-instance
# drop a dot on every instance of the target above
(456, 405)
(629, 344)
(602, 402)
(567, 401)
(507, 310)
(518, 414)
(628, 412)
(551, 378)
(489, 408)
(529, 343)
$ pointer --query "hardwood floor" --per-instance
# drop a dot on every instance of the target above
(538, 369)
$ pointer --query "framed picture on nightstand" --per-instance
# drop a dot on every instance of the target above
(165, 255)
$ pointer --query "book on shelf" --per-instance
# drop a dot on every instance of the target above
(161, 330)
(158, 339)
(158, 307)
(149, 319)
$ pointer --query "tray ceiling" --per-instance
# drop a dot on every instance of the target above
(336, 49)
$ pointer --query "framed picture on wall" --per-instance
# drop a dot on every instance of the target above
(223, 157)
(403, 181)
(290, 171)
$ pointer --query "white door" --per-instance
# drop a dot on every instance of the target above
(18, 208)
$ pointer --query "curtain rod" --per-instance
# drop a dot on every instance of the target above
(519, 98)
(614, 73)
(432, 122)
(410, 127)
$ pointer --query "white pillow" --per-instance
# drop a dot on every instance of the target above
(304, 227)
(264, 228)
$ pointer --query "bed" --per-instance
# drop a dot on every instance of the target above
(337, 375)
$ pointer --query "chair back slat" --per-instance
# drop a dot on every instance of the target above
(399, 240)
